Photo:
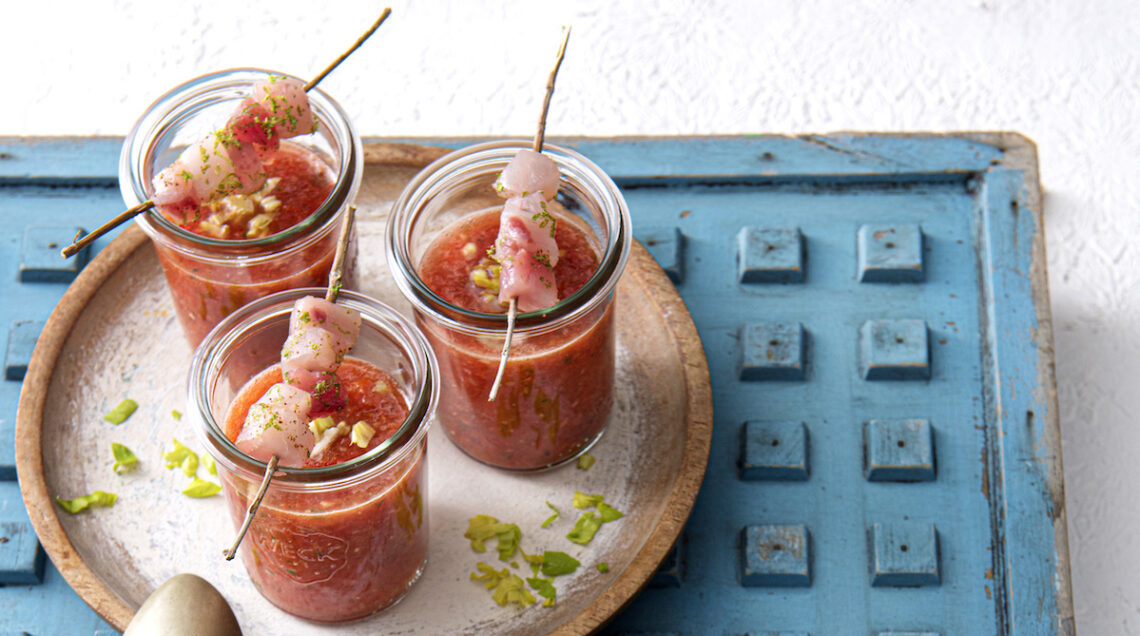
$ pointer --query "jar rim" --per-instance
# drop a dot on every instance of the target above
(421, 409)
(484, 156)
(178, 102)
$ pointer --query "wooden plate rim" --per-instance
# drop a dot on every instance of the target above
(91, 588)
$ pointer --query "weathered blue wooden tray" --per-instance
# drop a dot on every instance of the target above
(886, 455)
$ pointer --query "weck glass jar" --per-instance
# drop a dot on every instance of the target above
(556, 395)
(313, 178)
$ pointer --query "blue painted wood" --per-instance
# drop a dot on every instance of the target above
(671, 572)
(904, 553)
(22, 336)
(770, 255)
(667, 245)
(890, 254)
(21, 557)
(894, 349)
(775, 556)
(996, 498)
(40, 258)
(776, 451)
(899, 450)
(771, 351)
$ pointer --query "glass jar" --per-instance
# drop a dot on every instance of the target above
(339, 542)
(210, 277)
(557, 390)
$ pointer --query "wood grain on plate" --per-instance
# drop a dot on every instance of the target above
(113, 335)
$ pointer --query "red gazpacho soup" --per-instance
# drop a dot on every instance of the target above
(557, 389)
(337, 555)
(297, 183)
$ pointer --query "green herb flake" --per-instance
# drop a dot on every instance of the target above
(586, 461)
(79, 504)
(544, 588)
(176, 414)
(552, 518)
(583, 501)
(608, 513)
(585, 529)
(200, 488)
(558, 563)
(603, 567)
(124, 458)
(120, 413)
(182, 457)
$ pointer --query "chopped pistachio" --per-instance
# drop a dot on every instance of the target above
(608, 513)
(120, 413)
(586, 461)
(545, 589)
(603, 567)
(362, 433)
(176, 414)
(208, 462)
(381, 387)
(319, 425)
(182, 457)
(557, 563)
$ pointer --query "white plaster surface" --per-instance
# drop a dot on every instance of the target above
(1065, 73)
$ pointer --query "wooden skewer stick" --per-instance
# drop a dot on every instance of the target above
(336, 278)
(80, 243)
(539, 137)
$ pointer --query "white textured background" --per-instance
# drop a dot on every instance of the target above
(1066, 73)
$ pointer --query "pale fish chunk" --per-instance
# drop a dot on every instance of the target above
(340, 321)
(529, 172)
(277, 424)
(287, 104)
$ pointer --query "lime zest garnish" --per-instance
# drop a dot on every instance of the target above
(552, 518)
(585, 529)
(120, 413)
(603, 567)
(79, 504)
(124, 458)
(182, 457)
(200, 488)
(586, 461)
(583, 501)
(558, 563)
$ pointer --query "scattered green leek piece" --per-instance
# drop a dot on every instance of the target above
(558, 563)
(551, 519)
(608, 513)
(124, 458)
(120, 413)
(583, 501)
(508, 588)
(586, 461)
(545, 589)
(79, 504)
(176, 414)
(208, 462)
(182, 457)
(483, 527)
(603, 567)
(200, 488)
(585, 529)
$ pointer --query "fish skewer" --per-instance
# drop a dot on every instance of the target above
(336, 278)
(81, 241)
(539, 138)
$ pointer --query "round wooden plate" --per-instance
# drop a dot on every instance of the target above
(114, 335)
